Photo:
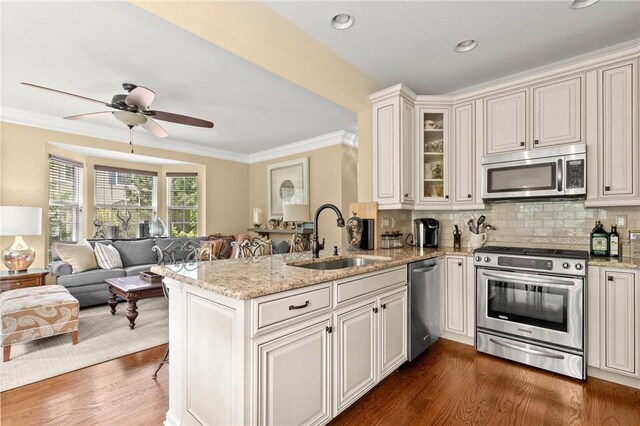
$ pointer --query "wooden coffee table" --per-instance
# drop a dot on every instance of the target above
(131, 289)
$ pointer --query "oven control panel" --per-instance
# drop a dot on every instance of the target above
(561, 266)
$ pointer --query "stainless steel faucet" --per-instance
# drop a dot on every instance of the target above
(316, 246)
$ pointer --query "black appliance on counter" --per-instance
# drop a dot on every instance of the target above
(368, 237)
(426, 232)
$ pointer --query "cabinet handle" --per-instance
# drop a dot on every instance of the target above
(468, 195)
(521, 143)
(329, 329)
(406, 195)
(607, 188)
(383, 306)
(292, 307)
(536, 142)
(375, 310)
(459, 263)
(609, 278)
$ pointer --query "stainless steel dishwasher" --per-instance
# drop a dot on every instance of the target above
(424, 306)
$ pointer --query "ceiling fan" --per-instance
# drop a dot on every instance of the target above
(132, 109)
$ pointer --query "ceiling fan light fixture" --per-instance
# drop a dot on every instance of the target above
(581, 4)
(342, 21)
(129, 118)
(466, 45)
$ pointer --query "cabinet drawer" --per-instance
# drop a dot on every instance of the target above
(350, 289)
(277, 310)
(17, 283)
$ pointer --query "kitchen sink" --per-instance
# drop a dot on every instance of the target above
(347, 262)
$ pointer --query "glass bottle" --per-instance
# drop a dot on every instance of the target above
(599, 241)
(614, 242)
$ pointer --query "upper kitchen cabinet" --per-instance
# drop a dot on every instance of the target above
(433, 167)
(505, 123)
(612, 142)
(394, 147)
(555, 117)
(467, 135)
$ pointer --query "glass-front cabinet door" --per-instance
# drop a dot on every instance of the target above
(434, 147)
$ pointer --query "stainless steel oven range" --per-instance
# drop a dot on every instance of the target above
(530, 306)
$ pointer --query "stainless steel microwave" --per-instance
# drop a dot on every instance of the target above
(543, 172)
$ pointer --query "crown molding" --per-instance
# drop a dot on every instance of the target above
(323, 141)
(43, 121)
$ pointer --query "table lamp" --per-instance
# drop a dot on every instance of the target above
(18, 221)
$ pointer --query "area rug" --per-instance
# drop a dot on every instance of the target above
(102, 337)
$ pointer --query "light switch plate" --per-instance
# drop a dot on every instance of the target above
(621, 221)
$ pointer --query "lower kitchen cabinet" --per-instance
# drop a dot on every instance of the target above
(457, 303)
(370, 342)
(613, 313)
(294, 371)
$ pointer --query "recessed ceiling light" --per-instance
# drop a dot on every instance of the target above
(581, 4)
(342, 21)
(466, 45)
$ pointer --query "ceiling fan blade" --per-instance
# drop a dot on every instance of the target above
(66, 93)
(140, 97)
(180, 119)
(154, 128)
(88, 115)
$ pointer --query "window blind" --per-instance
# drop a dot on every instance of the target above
(65, 199)
(125, 198)
(182, 204)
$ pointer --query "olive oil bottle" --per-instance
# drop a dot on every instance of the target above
(614, 242)
(599, 241)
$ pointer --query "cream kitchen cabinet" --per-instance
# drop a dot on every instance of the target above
(457, 305)
(467, 134)
(613, 314)
(394, 147)
(434, 165)
(612, 142)
(539, 116)
(370, 337)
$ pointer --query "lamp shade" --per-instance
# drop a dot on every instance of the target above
(18, 220)
(296, 213)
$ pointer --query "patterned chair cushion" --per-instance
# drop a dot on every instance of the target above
(36, 312)
(225, 249)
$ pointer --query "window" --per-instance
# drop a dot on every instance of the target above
(182, 204)
(125, 198)
(65, 199)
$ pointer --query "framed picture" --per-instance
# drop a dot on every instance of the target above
(287, 183)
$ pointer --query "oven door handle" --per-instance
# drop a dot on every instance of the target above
(523, 279)
(516, 347)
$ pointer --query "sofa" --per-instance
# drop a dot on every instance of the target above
(137, 256)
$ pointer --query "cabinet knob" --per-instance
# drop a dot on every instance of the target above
(406, 195)
(446, 196)
(383, 306)
(468, 195)
(521, 143)
(607, 188)
(536, 142)
(329, 329)
(609, 278)
(459, 263)
(375, 310)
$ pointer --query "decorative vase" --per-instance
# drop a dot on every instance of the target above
(157, 228)
(354, 231)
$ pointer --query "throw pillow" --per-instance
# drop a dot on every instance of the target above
(225, 250)
(210, 250)
(108, 256)
(80, 256)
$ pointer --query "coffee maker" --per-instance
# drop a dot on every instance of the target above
(426, 232)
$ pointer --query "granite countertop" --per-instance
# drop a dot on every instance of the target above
(614, 262)
(249, 278)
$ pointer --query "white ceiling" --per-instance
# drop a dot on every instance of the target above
(91, 48)
(412, 41)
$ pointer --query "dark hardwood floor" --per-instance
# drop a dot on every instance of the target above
(451, 384)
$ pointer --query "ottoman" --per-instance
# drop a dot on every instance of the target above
(35, 312)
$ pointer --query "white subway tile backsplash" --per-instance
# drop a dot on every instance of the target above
(562, 224)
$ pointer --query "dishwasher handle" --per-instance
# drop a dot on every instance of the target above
(423, 270)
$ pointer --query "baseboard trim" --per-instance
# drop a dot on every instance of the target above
(171, 420)
(613, 377)
(458, 338)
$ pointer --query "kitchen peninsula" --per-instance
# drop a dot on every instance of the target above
(263, 340)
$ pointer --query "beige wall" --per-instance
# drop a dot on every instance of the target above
(332, 179)
(24, 154)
